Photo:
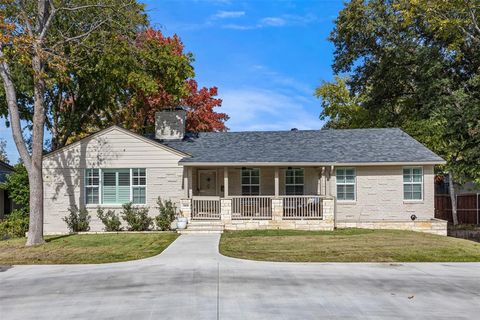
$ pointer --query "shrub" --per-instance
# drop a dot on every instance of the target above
(167, 214)
(136, 218)
(110, 220)
(14, 226)
(77, 220)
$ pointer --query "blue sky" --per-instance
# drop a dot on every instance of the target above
(265, 57)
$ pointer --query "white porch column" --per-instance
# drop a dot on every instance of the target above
(185, 182)
(277, 182)
(320, 174)
(190, 182)
(328, 181)
(225, 182)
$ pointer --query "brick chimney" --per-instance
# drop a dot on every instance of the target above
(170, 124)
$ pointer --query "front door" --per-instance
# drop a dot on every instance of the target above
(207, 182)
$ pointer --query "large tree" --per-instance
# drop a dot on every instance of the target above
(39, 41)
(164, 80)
(126, 84)
(414, 65)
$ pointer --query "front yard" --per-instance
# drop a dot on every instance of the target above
(92, 248)
(347, 245)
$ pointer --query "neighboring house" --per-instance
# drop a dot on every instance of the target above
(6, 205)
(313, 179)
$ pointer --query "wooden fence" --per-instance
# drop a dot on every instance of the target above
(468, 208)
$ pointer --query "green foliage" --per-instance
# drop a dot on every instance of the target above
(110, 220)
(342, 109)
(77, 220)
(85, 75)
(17, 187)
(137, 218)
(14, 226)
(413, 65)
(167, 211)
(3, 150)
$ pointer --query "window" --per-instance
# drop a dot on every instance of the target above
(92, 186)
(139, 185)
(345, 184)
(116, 186)
(250, 182)
(412, 183)
(294, 181)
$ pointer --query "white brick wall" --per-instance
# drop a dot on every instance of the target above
(379, 196)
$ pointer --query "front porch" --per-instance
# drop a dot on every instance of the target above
(260, 198)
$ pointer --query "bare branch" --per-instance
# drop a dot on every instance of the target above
(46, 26)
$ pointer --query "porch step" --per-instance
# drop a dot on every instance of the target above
(203, 227)
(186, 231)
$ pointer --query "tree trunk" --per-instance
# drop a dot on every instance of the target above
(35, 227)
(453, 198)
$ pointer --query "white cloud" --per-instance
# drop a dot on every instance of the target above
(239, 26)
(262, 109)
(273, 22)
(228, 14)
(279, 21)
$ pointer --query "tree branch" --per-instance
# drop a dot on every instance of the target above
(11, 96)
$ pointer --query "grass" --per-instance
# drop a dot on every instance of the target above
(347, 245)
(92, 248)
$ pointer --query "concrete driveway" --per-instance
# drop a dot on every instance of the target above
(190, 280)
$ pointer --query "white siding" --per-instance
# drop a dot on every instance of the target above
(63, 173)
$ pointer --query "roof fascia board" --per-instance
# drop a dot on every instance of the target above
(265, 164)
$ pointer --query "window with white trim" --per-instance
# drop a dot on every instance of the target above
(92, 186)
(294, 181)
(139, 185)
(250, 181)
(413, 183)
(115, 186)
(345, 178)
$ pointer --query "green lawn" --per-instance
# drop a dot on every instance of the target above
(92, 248)
(347, 245)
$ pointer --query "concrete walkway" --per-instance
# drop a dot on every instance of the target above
(190, 280)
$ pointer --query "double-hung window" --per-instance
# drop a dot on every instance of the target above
(250, 181)
(139, 185)
(294, 181)
(115, 186)
(413, 183)
(345, 184)
(92, 186)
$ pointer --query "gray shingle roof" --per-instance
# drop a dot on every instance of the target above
(325, 146)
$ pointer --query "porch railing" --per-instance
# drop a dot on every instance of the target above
(254, 207)
(206, 208)
(302, 207)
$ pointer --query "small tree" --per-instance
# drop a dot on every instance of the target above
(167, 211)
(77, 220)
(136, 218)
(110, 220)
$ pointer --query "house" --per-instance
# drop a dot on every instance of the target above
(6, 205)
(313, 179)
